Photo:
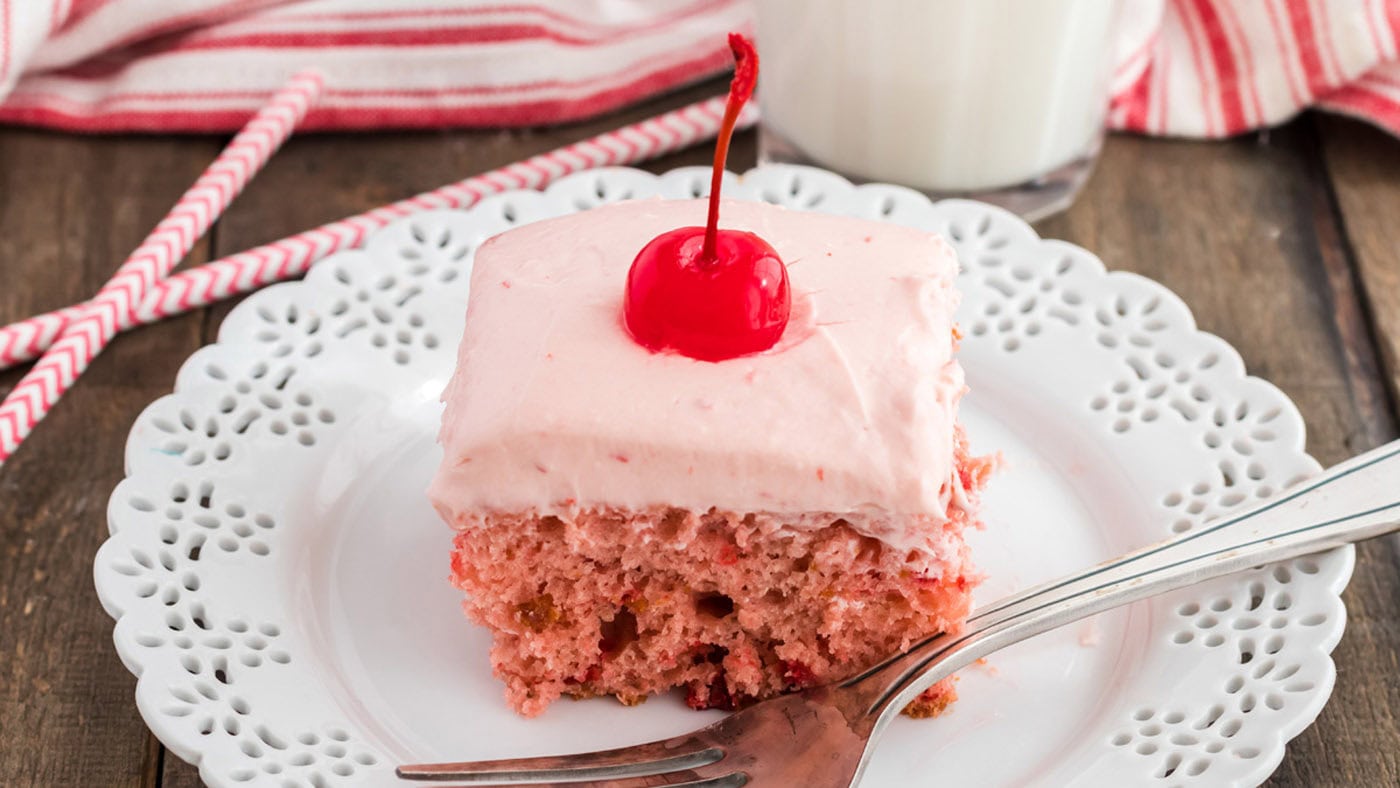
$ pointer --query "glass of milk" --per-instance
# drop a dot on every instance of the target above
(998, 100)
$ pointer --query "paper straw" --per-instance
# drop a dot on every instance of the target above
(96, 322)
(290, 257)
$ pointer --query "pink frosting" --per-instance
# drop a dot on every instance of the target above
(554, 407)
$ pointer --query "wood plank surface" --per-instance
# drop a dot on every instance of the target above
(1362, 169)
(1363, 165)
(71, 209)
(1286, 245)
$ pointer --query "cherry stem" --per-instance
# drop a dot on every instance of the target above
(740, 88)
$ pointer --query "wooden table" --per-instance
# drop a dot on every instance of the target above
(1286, 244)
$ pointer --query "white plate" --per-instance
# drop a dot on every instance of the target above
(312, 638)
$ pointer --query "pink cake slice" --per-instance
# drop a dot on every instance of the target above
(631, 522)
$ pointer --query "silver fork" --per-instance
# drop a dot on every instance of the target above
(824, 736)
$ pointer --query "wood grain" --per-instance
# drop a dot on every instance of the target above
(1284, 245)
(1363, 165)
(70, 211)
(1362, 170)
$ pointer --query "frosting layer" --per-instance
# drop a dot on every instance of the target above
(554, 407)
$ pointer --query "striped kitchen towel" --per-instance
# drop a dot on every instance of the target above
(1213, 68)
(206, 65)
(1201, 68)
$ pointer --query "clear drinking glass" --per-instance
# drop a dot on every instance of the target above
(998, 100)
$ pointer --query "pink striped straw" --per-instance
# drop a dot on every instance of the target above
(97, 321)
(290, 257)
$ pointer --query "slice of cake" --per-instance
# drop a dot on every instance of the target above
(631, 521)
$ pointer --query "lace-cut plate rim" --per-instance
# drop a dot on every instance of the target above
(278, 578)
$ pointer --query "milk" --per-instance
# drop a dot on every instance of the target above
(947, 96)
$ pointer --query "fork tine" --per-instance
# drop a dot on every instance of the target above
(653, 758)
(673, 780)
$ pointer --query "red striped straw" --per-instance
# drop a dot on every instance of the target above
(290, 257)
(96, 322)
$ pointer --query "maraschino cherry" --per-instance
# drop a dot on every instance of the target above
(708, 293)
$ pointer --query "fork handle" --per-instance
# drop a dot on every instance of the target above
(1356, 500)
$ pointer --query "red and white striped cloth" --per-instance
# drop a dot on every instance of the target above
(1206, 68)
(1213, 68)
(206, 65)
